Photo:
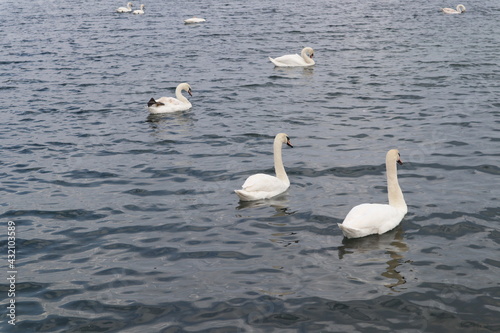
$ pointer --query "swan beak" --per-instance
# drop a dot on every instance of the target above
(189, 92)
(312, 55)
(399, 161)
(288, 143)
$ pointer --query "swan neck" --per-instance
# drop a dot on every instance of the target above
(180, 96)
(306, 58)
(278, 163)
(396, 198)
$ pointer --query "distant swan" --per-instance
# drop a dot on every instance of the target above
(139, 11)
(368, 219)
(194, 20)
(170, 104)
(127, 9)
(262, 186)
(295, 60)
(460, 10)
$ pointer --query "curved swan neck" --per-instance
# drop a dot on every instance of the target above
(395, 194)
(278, 162)
(304, 54)
(179, 95)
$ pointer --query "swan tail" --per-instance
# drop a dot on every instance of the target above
(351, 232)
(242, 195)
(152, 102)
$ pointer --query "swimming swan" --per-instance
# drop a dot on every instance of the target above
(460, 10)
(194, 20)
(262, 186)
(139, 11)
(368, 219)
(127, 9)
(170, 104)
(295, 60)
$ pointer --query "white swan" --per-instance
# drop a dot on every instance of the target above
(194, 20)
(460, 10)
(367, 219)
(262, 186)
(127, 9)
(170, 104)
(295, 60)
(139, 11)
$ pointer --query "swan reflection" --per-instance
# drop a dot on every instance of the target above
(393, 244)
(279, 203)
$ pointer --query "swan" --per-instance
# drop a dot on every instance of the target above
(295, 60)
(367, 219)
(460, 10)
(139, 11)
(127, 9)
(170, 104)
(262, 186)
(194, 20)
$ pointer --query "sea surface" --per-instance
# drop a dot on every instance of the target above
(126, 222)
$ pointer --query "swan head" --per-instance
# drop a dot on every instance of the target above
(129, 4)
(394, 156)
(309, 51)
(186, 87)
(461, 8)
(283, 138)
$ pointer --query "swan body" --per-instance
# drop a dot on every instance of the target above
(262, 186)
(460, 10)
(194, 20)
(139, 11)
(305, 59)
(127, 9)
(367, 219)
(171, 104)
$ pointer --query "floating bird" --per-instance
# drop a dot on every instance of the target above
(262, 186)
(194, 20)
(294, 60)
(367, 219)
(460, 10)
(127, 9)
(171, 104)
(139, 11)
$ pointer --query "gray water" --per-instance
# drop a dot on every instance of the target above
(127, 222)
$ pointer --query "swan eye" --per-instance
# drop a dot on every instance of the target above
(287, 138)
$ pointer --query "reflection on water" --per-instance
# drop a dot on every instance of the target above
(391, 243)
(165, 123)
(279, 203)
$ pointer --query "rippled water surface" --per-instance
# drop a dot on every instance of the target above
(127, 222)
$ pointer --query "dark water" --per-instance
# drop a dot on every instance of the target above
(128, 223)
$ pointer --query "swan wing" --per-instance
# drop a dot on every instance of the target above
(261, 186)
(264, 183)
(169, 100)
(367, 219)
(449, 11)
(167, 104)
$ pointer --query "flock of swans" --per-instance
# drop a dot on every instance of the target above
(362, 220)
(128, 9)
